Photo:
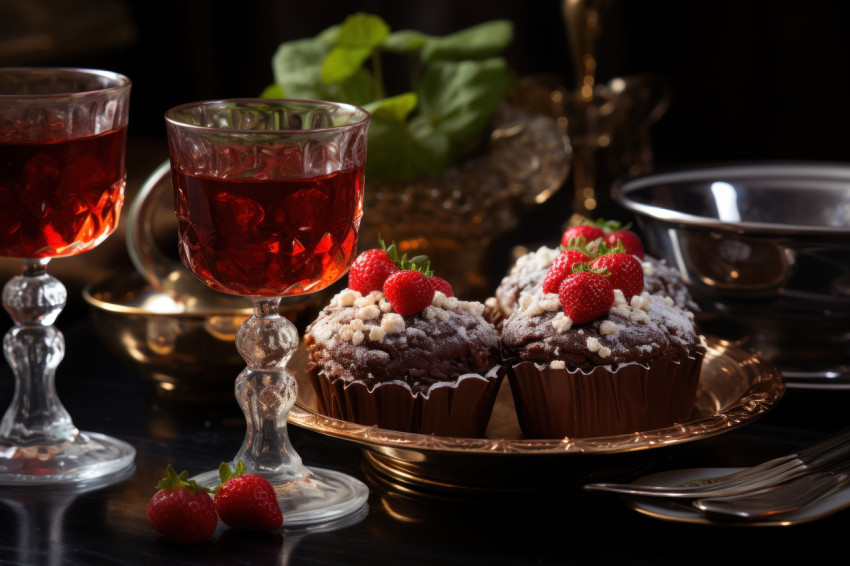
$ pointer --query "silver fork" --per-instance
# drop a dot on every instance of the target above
(766, 474)
(786, 498)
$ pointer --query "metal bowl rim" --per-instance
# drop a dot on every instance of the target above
(836, 172)
(89, 292)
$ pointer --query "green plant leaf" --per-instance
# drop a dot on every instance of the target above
(273, 91)
(359, 35)
(297, 69)
(477, 42)
(396, 107)
(457, 98)
(343, 62)
(405, 41)
(396, 154)
(362, 30)
(457, 84)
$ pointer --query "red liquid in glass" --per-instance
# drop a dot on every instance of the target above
(271, 237)
(60, 198)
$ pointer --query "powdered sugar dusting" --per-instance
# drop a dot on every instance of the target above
(644, 328)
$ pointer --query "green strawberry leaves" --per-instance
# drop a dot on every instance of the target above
(225, 474)
(174, 481)
(456, 83)
(419, 263)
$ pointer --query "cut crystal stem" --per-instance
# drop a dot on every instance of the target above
(266, 392)
(34, 349)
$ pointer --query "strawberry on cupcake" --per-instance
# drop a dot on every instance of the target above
(591, 353)
(588, 239)
(398, 350)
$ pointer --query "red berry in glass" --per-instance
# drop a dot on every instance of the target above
(269, 237)
(60, 198)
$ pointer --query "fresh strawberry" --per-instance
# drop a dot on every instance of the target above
(589, 232)
(369, 271)
(246, 501)
(625, 272)
(181, 510)
(630, 241)
(409, 292)
(561, 267)
(585, 296)
(441, 285)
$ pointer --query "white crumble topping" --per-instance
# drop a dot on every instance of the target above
(669, 301)
(370, 299)
(544, 257)
(562, 322)
(376, 334)
(642, 301)
(607, 327)
(648, 269)
(347, 297)
(369, 312)
(534, 308)
(525, 299)
(689, 314)
(358, 338)
(356, 324)
(491, 302)
(594, 345)
(550, 302)
(444, 302)
(472, 307)
(346, 333)
(432, 312)
(639, 315)
(557, 364)
(392, 322)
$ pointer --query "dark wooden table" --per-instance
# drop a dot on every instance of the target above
(41, 526)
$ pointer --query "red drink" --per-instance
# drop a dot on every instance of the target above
(60, 198)
(268, 237)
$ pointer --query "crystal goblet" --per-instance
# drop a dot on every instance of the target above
(62, 177)
(268, 196)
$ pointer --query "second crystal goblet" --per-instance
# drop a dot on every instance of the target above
(62, 175)
(268, 196)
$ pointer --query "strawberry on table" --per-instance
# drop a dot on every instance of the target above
(561, 267)
(181, 510)
(585, 296)
(625, 272)
(246, 501)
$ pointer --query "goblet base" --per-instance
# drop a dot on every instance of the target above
(86, 457)
(320, 496)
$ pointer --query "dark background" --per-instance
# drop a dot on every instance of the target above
(751, 80)
(754, 80)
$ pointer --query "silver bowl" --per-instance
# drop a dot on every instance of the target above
(765, 252)
(186, 347)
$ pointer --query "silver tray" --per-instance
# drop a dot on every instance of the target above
(736, 387)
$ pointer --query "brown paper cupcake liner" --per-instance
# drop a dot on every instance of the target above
(557, 403)
(457, 409)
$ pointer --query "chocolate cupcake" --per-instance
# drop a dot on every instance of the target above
(433, 371)
(527, 273)
(633, 366)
